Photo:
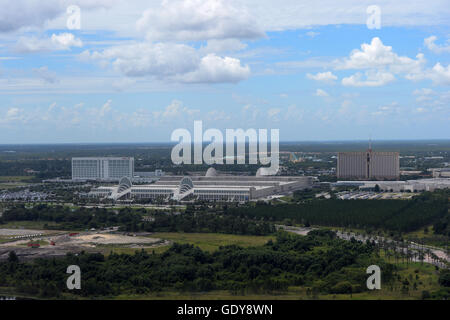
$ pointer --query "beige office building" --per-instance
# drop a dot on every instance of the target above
(368, 165)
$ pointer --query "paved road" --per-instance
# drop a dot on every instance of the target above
(427, 251)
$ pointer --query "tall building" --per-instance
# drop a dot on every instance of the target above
(368, 165)
(102, 168)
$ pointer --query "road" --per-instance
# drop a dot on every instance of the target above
(414, 248)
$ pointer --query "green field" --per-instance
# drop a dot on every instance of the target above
(11, 182)
(205, 241)
(212, 241)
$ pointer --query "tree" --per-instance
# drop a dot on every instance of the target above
(12, 257)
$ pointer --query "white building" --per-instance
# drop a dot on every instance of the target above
(418, 185)
(102, 168)
(211, 187)
(440, 172)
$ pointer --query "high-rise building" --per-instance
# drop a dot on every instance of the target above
(102, 168)
(368, 165)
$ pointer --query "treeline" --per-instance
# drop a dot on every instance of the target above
(208, 222)
(46, 168)
(396, 215)
(442, 226)
(135, 220)
(338, 267)
(67, 218)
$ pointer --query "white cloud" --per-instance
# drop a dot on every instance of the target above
(377, 56)
(322, 76)
(57, 42)
(439, 74)
(321, 93)
(105, 109)
(66, 40)
(171, 61)
(173, 111)
(432, 46)
(373, 79)
(18, 14)
(214, 69)
(143, 59)
(187, 20)
(12, 115)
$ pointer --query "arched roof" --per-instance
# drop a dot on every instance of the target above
(124, 184)
(186, 184)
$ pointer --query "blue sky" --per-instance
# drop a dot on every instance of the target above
(136, 72)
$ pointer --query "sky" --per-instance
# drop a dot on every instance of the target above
(135, 70)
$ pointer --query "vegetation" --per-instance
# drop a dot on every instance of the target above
(319, 263)
(133, 220)
(396, 215)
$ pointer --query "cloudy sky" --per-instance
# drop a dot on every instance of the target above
(136, 70)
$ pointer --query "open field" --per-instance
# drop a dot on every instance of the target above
(212, 241)
(63, 243)
(11, 182)
(4, 179)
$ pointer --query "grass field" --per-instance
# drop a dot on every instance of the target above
(11, 182)
(205, 241)
(212, 241)
(4, 179)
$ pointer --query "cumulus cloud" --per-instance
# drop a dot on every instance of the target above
(377, 55)
(188, 20)
(12, 115)
(381, 65)
(178, 62)
(143, 59)
(214, 69)
(174, 110)
(322, 76)
(439, 74)
(57, 42)
(432, 46)
(372, 79)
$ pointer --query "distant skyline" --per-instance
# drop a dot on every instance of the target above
(137, 70)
